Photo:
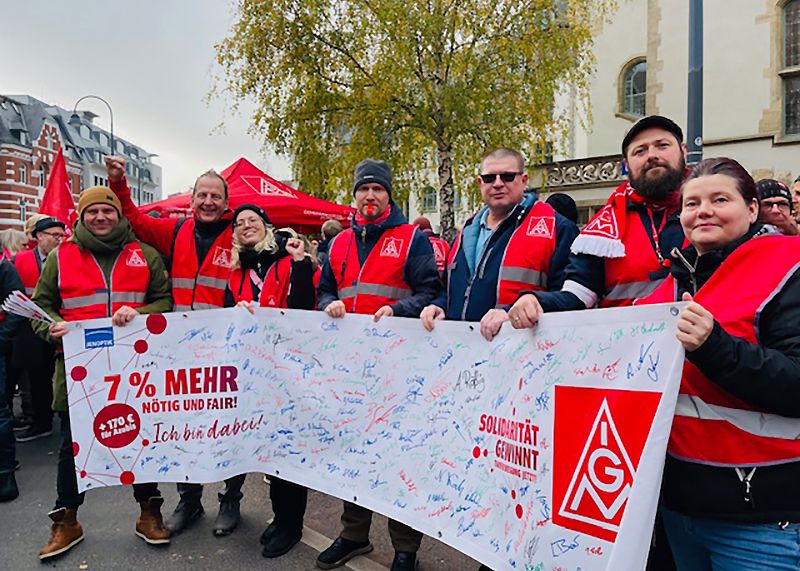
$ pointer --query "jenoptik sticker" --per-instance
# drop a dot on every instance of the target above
(100, 337)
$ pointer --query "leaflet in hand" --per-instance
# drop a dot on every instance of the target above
(20, 304)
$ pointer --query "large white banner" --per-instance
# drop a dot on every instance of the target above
(541, 449)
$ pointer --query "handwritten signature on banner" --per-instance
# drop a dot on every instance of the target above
(492, 447)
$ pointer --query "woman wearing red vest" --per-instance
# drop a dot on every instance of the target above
(102, 271)
(730, 498)
(273, 269)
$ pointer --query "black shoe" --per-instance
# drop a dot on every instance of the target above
(269, 532)
(32, 433)
(185, 514)
(227, 518)
(8, 487)
(281, 541)
(22, 424)
(404, 561)
(341, 551)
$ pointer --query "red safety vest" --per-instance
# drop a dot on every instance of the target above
(711, 426)
(195, 285)
(628, 278)
(526, 258)
(380, 281)
(275, 286)
(83, 288)
(441, 250)
(28, 270)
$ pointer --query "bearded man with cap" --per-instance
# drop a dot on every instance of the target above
(381, 266)
(32, 355)
(198, 249)
(101, 271)
(623, 252)
(775, 206)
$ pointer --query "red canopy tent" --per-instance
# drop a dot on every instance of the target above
(284, 205)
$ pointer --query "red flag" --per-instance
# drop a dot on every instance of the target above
(57, 200)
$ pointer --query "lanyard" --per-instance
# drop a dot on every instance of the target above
(654, 236)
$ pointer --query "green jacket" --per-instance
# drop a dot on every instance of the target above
(48, 297)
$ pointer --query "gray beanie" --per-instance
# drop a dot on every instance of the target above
(373, 171)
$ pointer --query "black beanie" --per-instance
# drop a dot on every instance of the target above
(771, 188)
(257, 209)
(564, 205)
(373, 171)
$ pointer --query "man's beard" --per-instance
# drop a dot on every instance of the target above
(659, 187)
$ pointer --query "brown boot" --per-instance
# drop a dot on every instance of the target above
(65, 534)
(150, 525)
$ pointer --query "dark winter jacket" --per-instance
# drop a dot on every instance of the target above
(420, 271)
(766, 375)
(471, 292)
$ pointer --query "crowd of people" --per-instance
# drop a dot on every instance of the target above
(709, 236)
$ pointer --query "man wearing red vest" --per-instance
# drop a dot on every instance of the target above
(380, 266)
(623, 253)
(102, 271)
(32, 355)
(199, 250)
(514, 243)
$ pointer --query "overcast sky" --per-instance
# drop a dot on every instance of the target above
(152, 60)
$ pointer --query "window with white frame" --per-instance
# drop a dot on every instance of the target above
(23, 174)
(790, 74)
(429, 200)
(634, 88)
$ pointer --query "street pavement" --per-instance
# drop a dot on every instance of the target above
(108, 517)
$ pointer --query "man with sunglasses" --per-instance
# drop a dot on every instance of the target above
(35, 356)
(514, 243)
(380, 266)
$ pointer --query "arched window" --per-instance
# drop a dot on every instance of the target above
(791, 68)
(634, 88)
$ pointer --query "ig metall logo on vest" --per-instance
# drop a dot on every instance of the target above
(599, 437)
(99, 337)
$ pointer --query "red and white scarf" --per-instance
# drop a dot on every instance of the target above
(602, 236)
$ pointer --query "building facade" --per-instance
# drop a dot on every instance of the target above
(32, 132)
(751, 93)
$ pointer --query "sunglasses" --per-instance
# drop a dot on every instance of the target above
(504, 176)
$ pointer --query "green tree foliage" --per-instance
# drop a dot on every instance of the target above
(427, 85)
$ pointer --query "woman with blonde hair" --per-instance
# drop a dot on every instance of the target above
(13, 242)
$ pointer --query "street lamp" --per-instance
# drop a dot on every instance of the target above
(75, 120)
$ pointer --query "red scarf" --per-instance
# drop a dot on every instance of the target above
(602, 236)
(361, 221)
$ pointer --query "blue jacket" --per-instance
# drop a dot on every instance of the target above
(420, 271)
(471, 292)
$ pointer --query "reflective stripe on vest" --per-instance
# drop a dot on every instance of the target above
(712, 426)
(626, 278)
(380, 281)
(82, 285)
(632, 290)
(196, 285)
(527, 256)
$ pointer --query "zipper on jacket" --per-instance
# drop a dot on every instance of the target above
(692, 269)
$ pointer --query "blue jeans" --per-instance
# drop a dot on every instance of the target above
(717, 545)
(7, 443)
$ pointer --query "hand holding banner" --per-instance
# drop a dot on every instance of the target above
(541, 447)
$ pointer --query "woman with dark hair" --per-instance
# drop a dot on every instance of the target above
(271, 269)
(730, 498)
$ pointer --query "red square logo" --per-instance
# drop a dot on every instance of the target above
(598, 441)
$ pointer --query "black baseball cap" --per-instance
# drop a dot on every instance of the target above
(651, 122)
(46, 223)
